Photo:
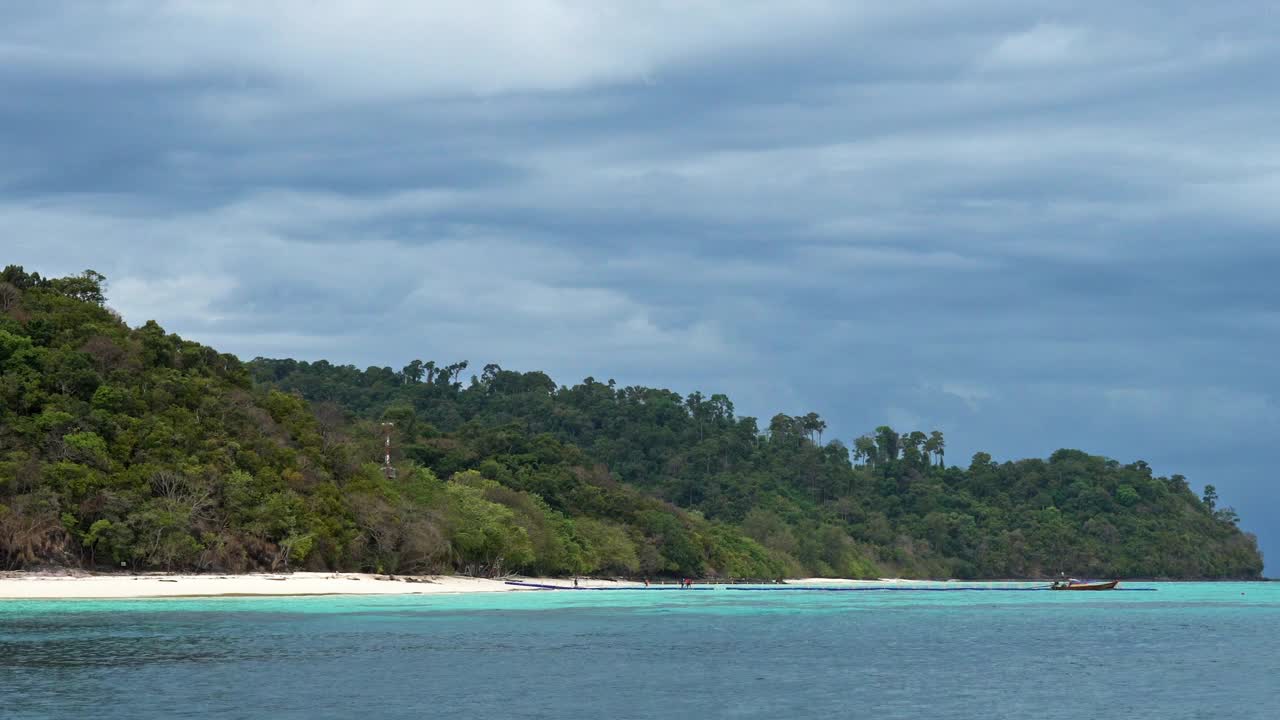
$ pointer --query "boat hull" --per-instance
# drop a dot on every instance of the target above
(1109, 585)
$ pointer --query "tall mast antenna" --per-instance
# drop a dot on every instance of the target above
(387, 468)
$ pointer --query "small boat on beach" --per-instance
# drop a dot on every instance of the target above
(1074, 584)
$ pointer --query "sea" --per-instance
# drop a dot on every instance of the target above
(1157, 650)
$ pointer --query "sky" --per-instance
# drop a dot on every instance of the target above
(1030, 225)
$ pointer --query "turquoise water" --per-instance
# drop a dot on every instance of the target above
(1185, 651)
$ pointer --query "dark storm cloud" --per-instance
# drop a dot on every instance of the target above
(1027, 225)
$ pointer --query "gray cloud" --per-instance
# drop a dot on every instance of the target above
(1026, 225)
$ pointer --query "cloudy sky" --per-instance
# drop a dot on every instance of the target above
(1027, 225)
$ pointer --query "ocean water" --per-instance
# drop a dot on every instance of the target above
(1187, 650)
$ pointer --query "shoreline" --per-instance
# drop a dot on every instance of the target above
(78, 585)
(51, 585)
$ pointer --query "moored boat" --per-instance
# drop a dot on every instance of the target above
(1074, 584)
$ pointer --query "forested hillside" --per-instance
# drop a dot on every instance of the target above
(139, 447)
(135, 446)
(889, 500)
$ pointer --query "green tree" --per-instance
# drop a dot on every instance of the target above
(936, 445)
(887, 443)
(414, 371)
(1210, 498)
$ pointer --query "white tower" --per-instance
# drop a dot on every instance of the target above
(387, 468)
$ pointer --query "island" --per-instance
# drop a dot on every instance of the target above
(131, 449)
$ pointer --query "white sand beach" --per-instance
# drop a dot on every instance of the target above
(70, 585)
(52, 586)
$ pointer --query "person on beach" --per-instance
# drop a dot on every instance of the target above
(575, 581)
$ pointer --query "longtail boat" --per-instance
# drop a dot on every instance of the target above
(1074, 584)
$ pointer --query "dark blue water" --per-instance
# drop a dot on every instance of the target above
(1185, 651)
